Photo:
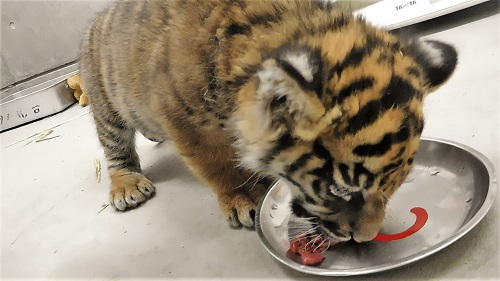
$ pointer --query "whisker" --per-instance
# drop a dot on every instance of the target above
(328, 246)
(303, 223)
(301, 232)
(239, 186)
(299, 227)
(313, 240)
(259, 177)
(319, 246)
(302, 218)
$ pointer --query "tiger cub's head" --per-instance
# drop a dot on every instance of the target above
(339, 117)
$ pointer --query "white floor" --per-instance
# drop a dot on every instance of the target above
(51, 226)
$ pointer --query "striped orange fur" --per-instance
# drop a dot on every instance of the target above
(254, 91)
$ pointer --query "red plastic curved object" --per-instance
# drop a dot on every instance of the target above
(420, 221)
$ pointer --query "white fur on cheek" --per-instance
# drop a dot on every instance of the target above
(252, 121)
(272, 83)
(253, 141)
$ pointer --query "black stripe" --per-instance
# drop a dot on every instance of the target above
(360, 170)
(117, 166)
(293, 73)
(309, 199)
(338, 23)
(316, 185)
(119, 149)
(355, 87)
(344, 171)
(320, 151)
(298, 210)
(333, 227)
(386, 58)
(128, 166)
(238, 29)
(368, 150)
(324, 172)
(418, 124)
(266, 19)
(238, 80)
(400, 152)
(119, 158)
(314, 62)
(187, 108)
(299, 163)
(332, 26)
(402, 135)
(105, 143)
(323, 5)
(397, 93)
(355, 57)
(165, 17)
(392, 166)
(383, 181)
(333, 206)
(292, 181)
(317, 83)
(357, 201)
(239, 3)
(108, 134)
(285, 141)
(221, 116)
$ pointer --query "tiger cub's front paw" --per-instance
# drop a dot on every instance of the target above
(129, 189)
(239, 208)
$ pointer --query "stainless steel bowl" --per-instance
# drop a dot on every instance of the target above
(454, 183)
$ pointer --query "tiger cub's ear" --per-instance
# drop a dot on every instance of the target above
(438, 60)
(290, 83)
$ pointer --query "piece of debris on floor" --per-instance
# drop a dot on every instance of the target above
(42, 136)
(104, 206)
(97, 165)
(435, 173)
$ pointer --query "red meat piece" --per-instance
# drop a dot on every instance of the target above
(309, 251)
(311, 258)
(295, 245)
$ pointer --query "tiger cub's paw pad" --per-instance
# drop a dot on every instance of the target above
(238, 209)
(129, 189)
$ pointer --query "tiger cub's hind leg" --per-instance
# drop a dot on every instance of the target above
(129, 186)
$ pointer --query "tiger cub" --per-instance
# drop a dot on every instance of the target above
(254, 91)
